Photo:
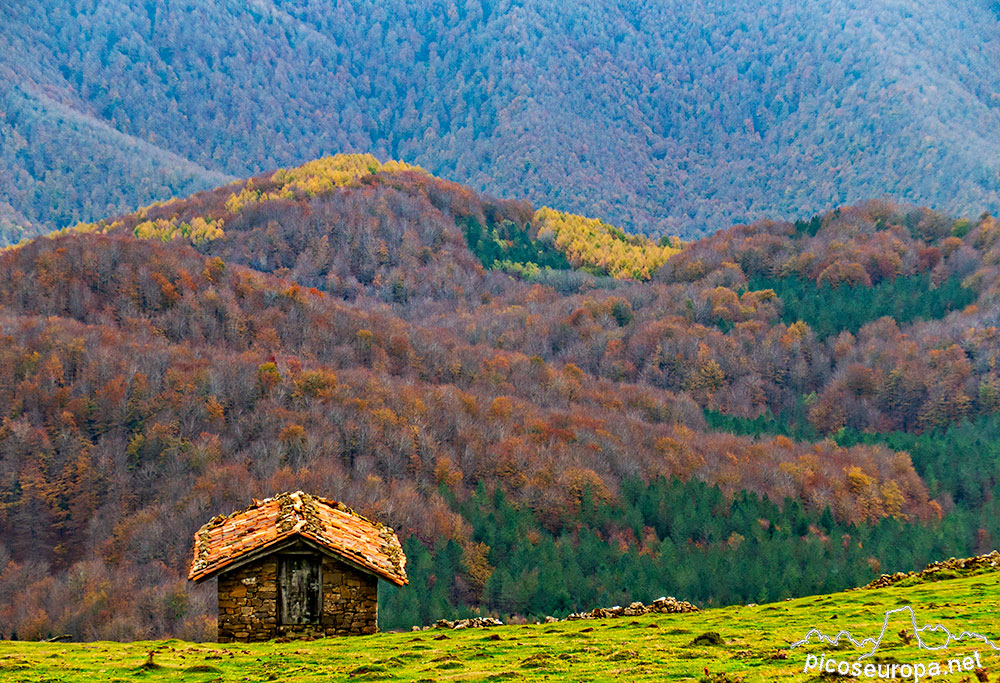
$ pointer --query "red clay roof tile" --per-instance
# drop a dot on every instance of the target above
(332, 525)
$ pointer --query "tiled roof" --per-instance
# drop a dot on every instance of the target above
(332, 525)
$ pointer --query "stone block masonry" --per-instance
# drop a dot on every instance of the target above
(248, 603)
(350, 600)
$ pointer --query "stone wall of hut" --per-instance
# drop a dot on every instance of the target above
(248, 603)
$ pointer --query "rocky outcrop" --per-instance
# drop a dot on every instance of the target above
(474, 622)
(943, 569)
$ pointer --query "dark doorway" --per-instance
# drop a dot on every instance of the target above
(299, 589)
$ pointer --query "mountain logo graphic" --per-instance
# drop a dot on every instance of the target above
(875, 643)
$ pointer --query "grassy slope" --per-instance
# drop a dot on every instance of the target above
(648, 648)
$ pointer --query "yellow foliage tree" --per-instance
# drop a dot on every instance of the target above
(594, 243)
(316, 177)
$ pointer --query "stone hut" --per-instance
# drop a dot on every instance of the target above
(296, 565)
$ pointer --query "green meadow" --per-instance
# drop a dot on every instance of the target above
(753, 645)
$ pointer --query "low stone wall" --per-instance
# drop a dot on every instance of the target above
(248, 603)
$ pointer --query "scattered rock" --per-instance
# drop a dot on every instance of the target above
(635, 609)
(968, 565)
(474, 622)
(664, 605)
(660, 605)
(482, 622)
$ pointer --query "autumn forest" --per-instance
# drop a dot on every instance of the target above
(553, 413)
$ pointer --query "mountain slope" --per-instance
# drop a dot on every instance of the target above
(59, 165)
(678, 118)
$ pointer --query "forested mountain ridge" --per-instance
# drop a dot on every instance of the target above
(354, 226)
(543, 438)
(59, 164)
(678, 118)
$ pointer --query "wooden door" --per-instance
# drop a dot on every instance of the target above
(299, 589)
